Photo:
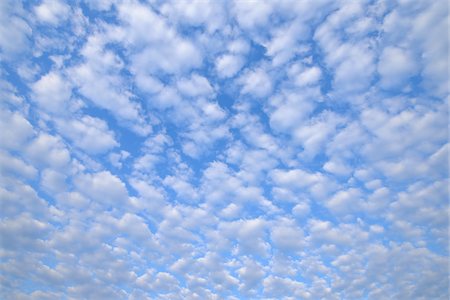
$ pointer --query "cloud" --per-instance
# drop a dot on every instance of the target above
(250, 17)
(16, 130)
(396, 66)
(251, 274)
(52, 11)
(286, 42)
(224, 150)
(195, 86)
(14, 166)
(52, 93)
(210, 15)
(350, 56)
(163, 50)
(53, 181)
(15, 39)
(102, 187)
(287, 237)
(88, 133)
(98, 80)
(48, 150)
(257, 83)
(290, 109)
(228, 65)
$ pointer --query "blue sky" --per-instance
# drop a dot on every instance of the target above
(224, 150)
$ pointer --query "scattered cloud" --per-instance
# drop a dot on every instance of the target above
(224, 150)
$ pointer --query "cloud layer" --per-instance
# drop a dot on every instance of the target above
(224, 150)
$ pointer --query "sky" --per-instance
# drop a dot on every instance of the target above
(292, 149)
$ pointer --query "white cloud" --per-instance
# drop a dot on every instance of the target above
(183, 189)
(72, 199)
(290, 110)
(163, 50)
(228, 65)
(295, 178)
(165, 282)
(356, 69)
(117, 158)
(249, 235)
(52, 92)
(23, 232)
(308, 77)
(209, 14)
(231, 211)
(102, 187)
(301, 210)
(256, 82)
(284, 287)
(250, 15)
(287, 237)
(14, 30)
(337, 167)
(195, 86)
(251, 274)
(88, 133)
(352, 58)
(11, 165)
(345, 201)
(52, 11)
(15, 130)
(18, 197)
(238, 46)
(98, 80)
(396, 66)
(314, 135)
(48, 150)
(343, 235)
(285, 42)
(420, 32)
(289, 150)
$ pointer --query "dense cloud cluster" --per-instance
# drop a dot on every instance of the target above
(293, 149)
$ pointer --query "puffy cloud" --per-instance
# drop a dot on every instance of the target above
(18, 197)
(285, 42)
(284, 287)
(228, 65)
(52, 92)
(11, 165)
(287, 237)
(289, 111)
(251, 274)
(396, 66)
(308, 77)
(102, 187)
(250, 16)
(53, 181)
(224, 150)
(52, 11)
(210, 15)
(257, 83)
(48, 150)
(314, 135)
(345, 201)
(163, 49)
(351, 56)
(195, 86)
(15, 128)
(422, 38)
(88, 133)
(98, 80)
(23, 232)
(15, 30)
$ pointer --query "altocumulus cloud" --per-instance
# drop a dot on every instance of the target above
(239, 149)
